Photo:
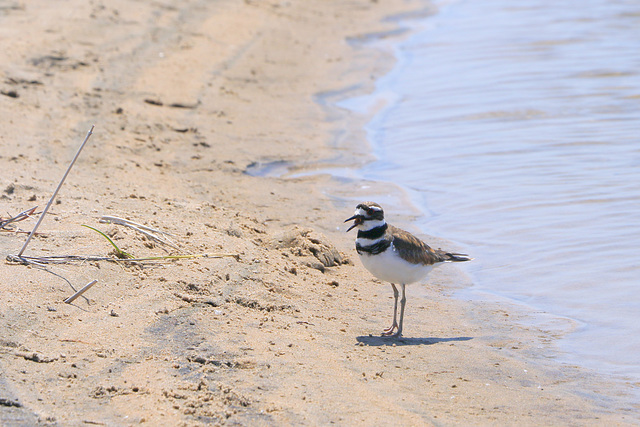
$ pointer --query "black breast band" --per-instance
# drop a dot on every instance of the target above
(374, 249)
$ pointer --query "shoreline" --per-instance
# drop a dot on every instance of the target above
(539, 318)
(276, 336)
(549, 327)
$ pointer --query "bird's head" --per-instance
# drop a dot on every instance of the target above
(368, 215)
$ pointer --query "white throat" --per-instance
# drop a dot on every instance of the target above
(371, 224)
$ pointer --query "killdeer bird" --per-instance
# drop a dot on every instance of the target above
(394, 255)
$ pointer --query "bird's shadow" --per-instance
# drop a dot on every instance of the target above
(390, 341)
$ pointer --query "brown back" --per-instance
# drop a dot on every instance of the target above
(413, 249)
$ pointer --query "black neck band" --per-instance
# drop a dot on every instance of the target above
(374, 233)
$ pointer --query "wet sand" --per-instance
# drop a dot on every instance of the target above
(186, 101)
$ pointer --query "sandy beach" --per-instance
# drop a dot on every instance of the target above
(280, 323)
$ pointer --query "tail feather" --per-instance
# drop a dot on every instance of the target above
(453, 257)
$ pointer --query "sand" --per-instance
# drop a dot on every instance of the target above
(198, 108)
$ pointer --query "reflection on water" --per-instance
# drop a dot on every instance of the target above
(518, 130)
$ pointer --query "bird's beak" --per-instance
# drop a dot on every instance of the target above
(357, 220)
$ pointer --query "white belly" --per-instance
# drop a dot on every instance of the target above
(390, 267)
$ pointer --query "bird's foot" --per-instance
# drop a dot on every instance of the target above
(390, 331)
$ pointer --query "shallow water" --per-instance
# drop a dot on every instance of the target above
(516, 128)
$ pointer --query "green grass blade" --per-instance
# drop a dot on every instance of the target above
(119, 253)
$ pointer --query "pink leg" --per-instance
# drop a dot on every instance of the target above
(394, 326)
(402, 303)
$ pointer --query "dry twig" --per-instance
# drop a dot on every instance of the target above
(68, 259)
(149, 232)
(85, 288)
(20, 217)
(55, 193)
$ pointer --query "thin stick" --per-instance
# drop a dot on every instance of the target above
(21, 216)
(67, 259)
(115, 220)
(170, 257)
(55, 193)
(142, 229)
(86, 287)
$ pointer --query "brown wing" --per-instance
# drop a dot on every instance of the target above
(413, 249)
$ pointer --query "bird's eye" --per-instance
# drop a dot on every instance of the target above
(370, 211)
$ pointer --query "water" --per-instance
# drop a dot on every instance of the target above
(516, 128)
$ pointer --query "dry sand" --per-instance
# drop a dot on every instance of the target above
(186, 100)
